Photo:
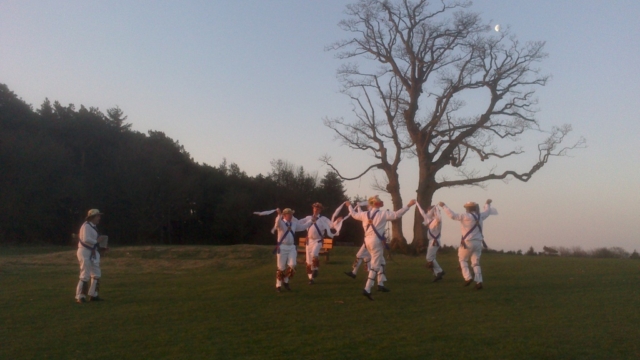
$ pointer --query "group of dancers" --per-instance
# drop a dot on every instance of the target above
(374, 221)
(91, 245)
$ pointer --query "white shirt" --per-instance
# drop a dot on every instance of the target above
(379, 220)
(88, 234)
(433, 220)
(467, 222)
(296, 225)
(323, 223)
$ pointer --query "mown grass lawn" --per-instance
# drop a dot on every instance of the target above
(220, 303)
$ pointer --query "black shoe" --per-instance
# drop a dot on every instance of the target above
(81, 300)
(286, 286)
(383, 289)
(367, 294)
(95, 298)
(468, 282)
(278, 289)
(314, 274)
(311, 282)
(350, 274)
(439, 276)
(479, 286)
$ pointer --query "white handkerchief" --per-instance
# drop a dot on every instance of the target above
(338, 224)
(335, 213)
(268, 212)
(424, 215)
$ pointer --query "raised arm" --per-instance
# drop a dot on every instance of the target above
(303, 224)
(422, 212)
(278, 217)
(393, 215)
(486, 211)
(327, 224)
(356, 215)
(435, 213)
(450, 213)
(428, 216)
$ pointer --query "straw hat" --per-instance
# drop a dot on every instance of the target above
(470, 204)
(374, 201)
(318, 205)
(92, 213)
(287, 211)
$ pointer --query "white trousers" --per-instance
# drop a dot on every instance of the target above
(377, 263)
(312, 252)
(313, 249)
(362, 255)
(376, 249)
(286, 258)
(89, 269)
(473, 252)
(431, 257)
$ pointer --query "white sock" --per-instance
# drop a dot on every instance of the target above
(356, 266)
(370, 280)
(93, 291)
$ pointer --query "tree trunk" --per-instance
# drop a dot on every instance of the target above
(398, 241)
(426, 189)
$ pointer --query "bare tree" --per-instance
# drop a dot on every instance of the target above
(371, 132)
(442, 54)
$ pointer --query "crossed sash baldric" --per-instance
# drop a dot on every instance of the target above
(321, 241)
(277, 249)
(436, 239)
(370, 225)
(477, 225)
(92, 248)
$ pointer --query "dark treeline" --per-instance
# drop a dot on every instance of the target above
(56, 162)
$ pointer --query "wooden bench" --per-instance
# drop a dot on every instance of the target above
(327, 245)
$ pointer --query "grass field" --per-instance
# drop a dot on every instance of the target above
(220, 303)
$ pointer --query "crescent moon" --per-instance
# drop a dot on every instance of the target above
(497, 28)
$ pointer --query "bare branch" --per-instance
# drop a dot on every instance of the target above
(547, 149)
(327, 161)
(379, 185)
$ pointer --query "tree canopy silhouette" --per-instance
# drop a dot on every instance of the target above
(57, 162)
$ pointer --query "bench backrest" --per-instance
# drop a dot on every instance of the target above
(327, 244)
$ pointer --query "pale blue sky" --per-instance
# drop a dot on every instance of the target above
(250, 81)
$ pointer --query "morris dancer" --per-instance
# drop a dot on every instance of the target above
(374, 222)
(361, 256)
(89, 258)
(472, 239)
(286, 251)
(317, 226)
(433, 222)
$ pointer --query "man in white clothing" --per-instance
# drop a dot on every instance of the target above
(374, 222)
(472, 239)
(89, 258)
(361, 256)
(433, 223)
(318, 226)
(285, 250)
